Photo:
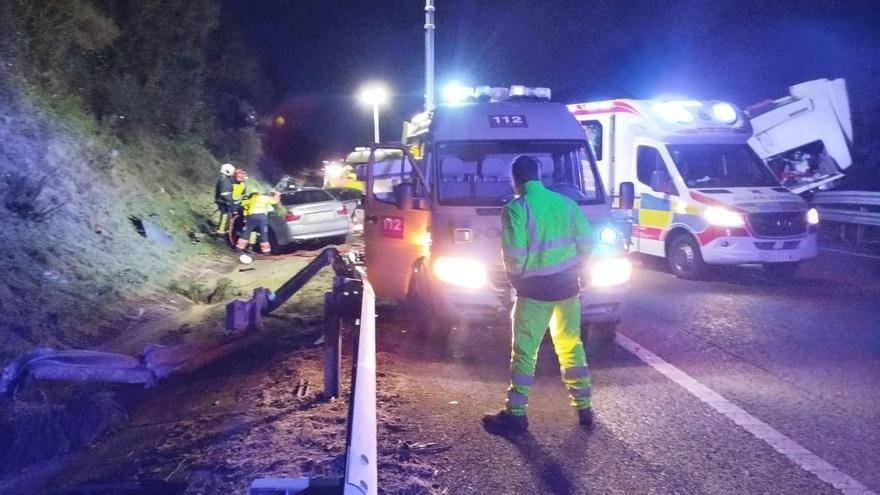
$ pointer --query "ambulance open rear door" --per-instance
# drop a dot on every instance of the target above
(812, 124)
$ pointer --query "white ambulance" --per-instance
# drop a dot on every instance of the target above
(433, 208)
(703, 196)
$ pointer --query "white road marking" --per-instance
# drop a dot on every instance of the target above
(841, 251)
(786, 446)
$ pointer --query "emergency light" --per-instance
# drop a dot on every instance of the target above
(455, 93)
(684, 111)
(724, 113)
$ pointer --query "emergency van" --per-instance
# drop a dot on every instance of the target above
(433, 208)
(703, 196)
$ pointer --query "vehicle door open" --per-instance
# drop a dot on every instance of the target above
(396, 219)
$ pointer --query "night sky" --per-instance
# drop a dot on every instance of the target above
(741, 50)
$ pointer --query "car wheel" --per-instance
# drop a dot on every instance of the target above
(685, 259)
(273, 243)
(787, 269)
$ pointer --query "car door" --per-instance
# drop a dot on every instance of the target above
(395, 230)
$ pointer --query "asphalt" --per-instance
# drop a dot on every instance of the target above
(802, 355)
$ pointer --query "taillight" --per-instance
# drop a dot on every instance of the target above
(343, 210)
(291, 217)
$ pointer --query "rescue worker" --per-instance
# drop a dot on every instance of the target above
(256, 219)
(545, 242)
(223, 196)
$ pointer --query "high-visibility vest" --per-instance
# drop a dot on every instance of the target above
(259, 204)
(543, 233)
(238, 191)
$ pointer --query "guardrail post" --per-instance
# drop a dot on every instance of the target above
(332, 341)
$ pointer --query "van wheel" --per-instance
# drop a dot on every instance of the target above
(424, 321)
(786, 269)
(685, 259)
(602, 333)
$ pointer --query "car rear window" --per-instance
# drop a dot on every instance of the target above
(304, 197)
(346, 194)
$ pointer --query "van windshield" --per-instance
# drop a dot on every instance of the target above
(720, 165)
(478, 173)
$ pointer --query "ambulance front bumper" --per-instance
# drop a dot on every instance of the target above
(745, 250)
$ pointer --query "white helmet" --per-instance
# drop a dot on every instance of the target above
(227, 169)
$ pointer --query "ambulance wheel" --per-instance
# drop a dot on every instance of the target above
(785, 270)
(685, 259)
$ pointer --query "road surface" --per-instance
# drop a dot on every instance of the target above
(797, 362)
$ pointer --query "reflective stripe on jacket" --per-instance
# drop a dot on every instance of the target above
(543, 233)
(259, 204)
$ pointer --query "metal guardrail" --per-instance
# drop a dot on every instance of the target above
(859, 208)
(361, 468)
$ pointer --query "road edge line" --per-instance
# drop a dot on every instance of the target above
(782, 444)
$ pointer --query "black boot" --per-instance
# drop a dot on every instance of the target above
(504, 423)
(585, 417)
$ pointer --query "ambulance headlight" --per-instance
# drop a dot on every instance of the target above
(462, 272)
(608, 272)
(723, 217)
(812, 216)
(724, 113)
(607, 235)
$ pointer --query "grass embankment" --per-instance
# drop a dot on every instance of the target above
(71, 255)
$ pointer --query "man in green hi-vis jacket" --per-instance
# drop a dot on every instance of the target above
(545, 242)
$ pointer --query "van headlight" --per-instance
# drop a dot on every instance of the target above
(463, 272)
(608, 272)
(812, 216)
(722, 217)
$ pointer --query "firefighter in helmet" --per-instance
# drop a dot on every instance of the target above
(223, 196)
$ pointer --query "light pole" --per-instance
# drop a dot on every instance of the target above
(375, 96)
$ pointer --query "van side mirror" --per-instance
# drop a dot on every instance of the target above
(403, 194)
(661, 182)
(627, 195)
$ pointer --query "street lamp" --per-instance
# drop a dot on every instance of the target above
(375, 96)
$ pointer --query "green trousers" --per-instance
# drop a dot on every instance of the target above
(530, 321)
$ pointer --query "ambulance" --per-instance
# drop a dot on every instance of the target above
(703, 196)
(433, 208)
